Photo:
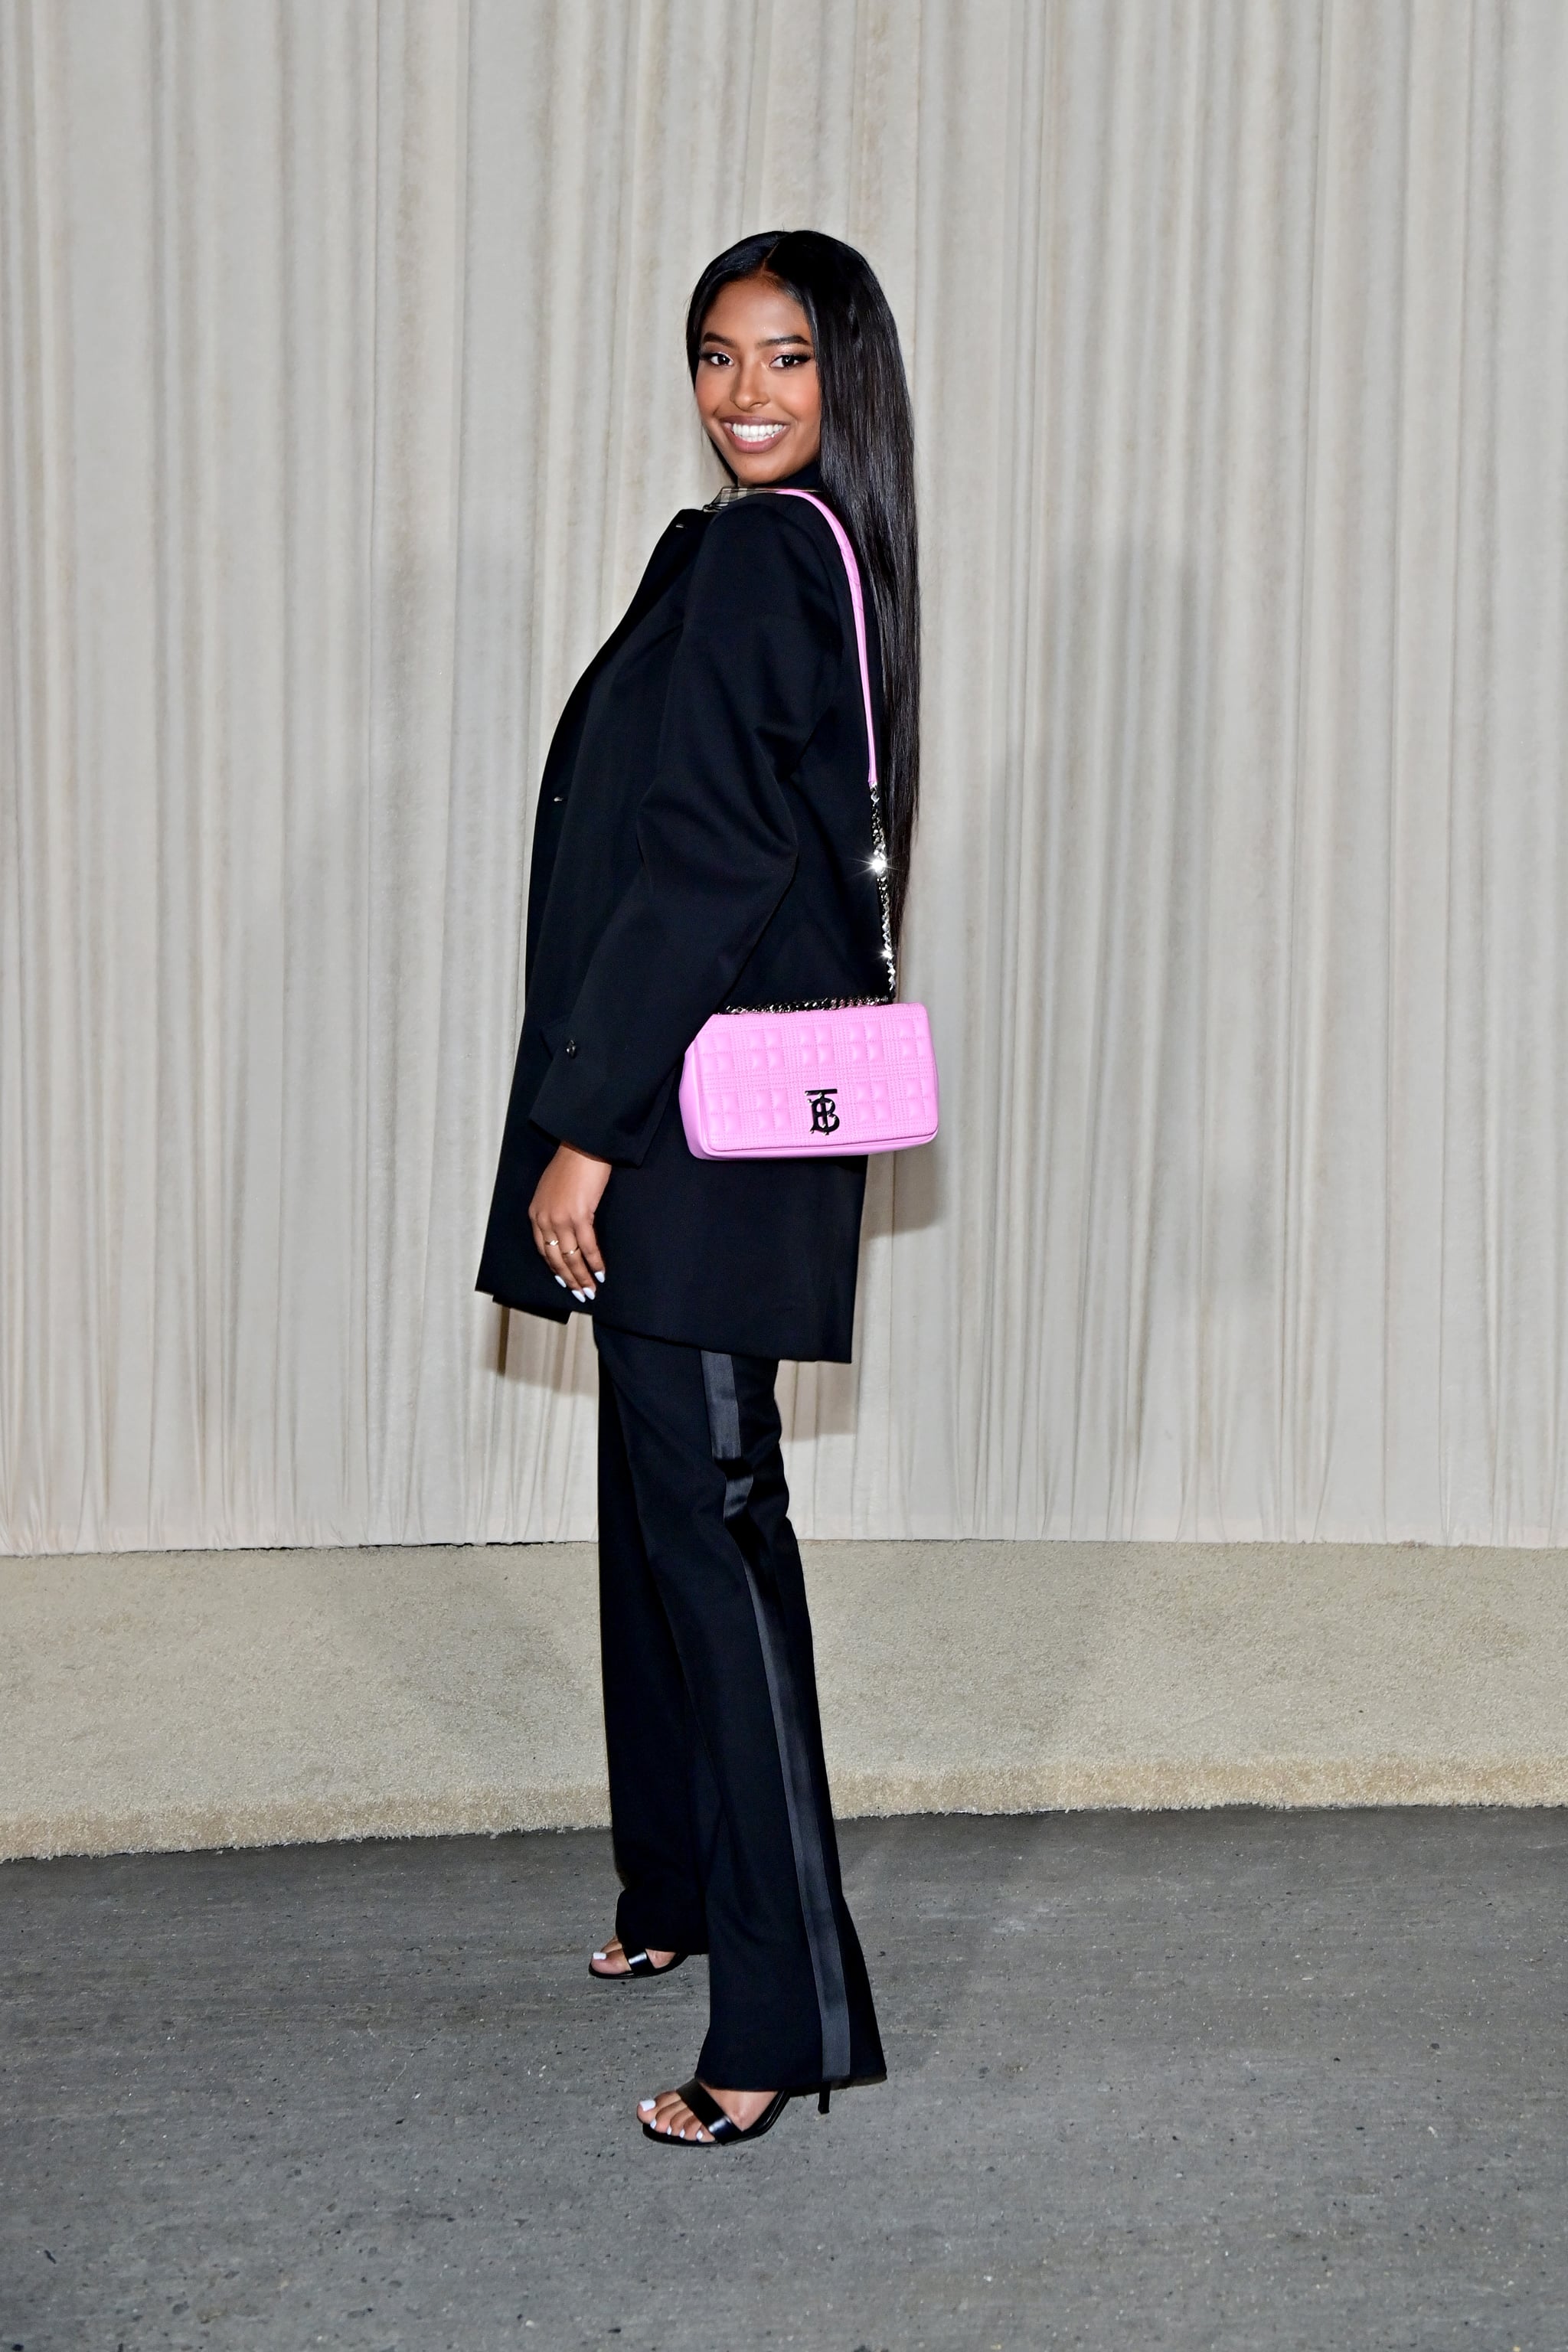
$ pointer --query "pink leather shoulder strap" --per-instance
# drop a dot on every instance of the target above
(858, 605)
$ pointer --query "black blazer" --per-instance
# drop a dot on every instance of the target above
(703, 838)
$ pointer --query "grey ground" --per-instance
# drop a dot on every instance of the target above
(1183, 2080)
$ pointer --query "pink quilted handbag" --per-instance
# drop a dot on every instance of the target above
(792, 1081)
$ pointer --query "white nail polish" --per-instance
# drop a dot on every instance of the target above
(647, 2106)
(598, 1277)
(560, 1278)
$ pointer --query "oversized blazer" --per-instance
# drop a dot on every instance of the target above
(702, 839)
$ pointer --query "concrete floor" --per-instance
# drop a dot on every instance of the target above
(1272, 2080)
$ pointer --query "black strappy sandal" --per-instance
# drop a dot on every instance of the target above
(637, 1965)
(723, 2130)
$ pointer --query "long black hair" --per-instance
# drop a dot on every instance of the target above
(868, 471)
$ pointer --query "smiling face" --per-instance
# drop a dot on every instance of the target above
(757, 388)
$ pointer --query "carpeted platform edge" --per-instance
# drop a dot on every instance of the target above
(1111, 1787)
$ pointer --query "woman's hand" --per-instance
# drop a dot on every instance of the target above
(562, 1214)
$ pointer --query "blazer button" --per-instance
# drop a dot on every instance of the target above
(569, 1047)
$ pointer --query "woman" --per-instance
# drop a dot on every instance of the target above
(702, 841)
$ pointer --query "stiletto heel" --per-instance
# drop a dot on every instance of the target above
(822, 2098)
(723, 2129)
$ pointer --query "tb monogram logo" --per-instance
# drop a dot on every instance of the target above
(824, 1117)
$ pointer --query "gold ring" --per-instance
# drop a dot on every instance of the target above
(552, 1244)
(574, 1252)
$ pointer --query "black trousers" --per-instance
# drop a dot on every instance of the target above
(723, 1830)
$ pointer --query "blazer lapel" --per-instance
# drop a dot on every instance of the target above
(669, 560)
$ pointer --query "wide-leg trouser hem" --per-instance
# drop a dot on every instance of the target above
(718, 1787)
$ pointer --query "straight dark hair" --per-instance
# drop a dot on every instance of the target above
(867, 472)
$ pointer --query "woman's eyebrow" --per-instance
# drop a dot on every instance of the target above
(768, 343)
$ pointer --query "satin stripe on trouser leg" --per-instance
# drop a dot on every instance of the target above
(789, 1727)
(740, 1800)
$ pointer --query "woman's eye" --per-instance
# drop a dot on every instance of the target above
(715, 359)
(793, 359)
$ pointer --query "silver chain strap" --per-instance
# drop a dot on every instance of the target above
(849, 1003)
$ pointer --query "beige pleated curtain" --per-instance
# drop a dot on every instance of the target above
(343, 398)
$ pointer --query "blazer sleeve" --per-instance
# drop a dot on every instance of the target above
(759, 653)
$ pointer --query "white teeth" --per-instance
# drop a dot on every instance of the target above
(756, 432)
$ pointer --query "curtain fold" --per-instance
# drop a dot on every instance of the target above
(340, 355)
